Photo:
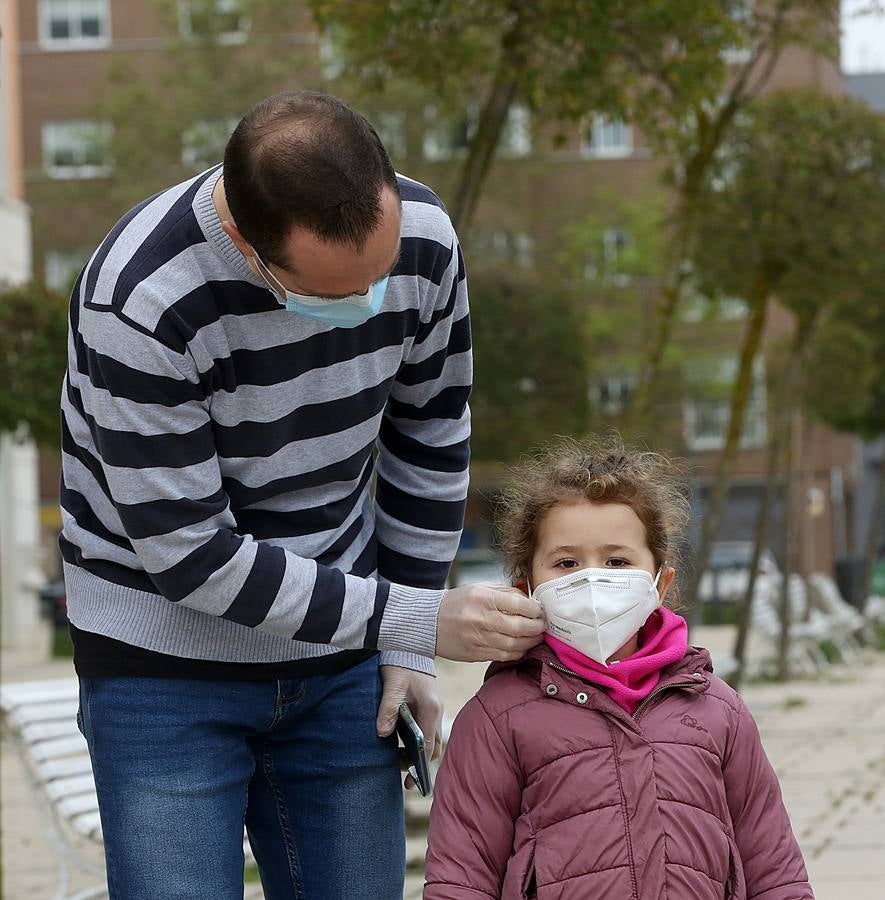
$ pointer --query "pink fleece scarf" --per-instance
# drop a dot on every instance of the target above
(662, 640)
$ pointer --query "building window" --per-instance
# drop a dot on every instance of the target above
(202, 145)
(61, 268)
(74, 23)
(742, 14)
(695, 307)
(332, 61)
(705, 420)
(391, 128)
(447, 137)
(731, 309)
(608, 139)
(516, 135)
(612, 394)
(77, 148)
(500, 245)
(615, 242)
(607, 264)
(223, 21)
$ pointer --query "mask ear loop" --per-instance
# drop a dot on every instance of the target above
(657, 577)
(269, 276)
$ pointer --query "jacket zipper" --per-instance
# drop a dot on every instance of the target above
(565, 670)
(641, 708)
(657, 692)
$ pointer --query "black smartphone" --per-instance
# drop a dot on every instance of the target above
(415, 750)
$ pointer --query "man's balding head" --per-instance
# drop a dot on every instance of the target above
(302, 159)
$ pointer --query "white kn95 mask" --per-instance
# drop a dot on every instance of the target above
(597, 611)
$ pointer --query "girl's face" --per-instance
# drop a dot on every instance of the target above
(581, 534)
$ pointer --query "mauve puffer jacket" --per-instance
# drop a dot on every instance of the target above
(549, 789)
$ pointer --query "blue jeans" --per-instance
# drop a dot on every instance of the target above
(180, 766)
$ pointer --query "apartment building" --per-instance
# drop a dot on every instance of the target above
(537, 186)
(20, 553)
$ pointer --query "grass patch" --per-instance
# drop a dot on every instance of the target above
(877, 638)
(721, 613)
(830, 651)
(61, 644)
(250, 874)
(794, 702)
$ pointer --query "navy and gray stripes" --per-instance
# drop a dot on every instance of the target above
(302, 486)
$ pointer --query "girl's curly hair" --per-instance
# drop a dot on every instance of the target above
(600, 469)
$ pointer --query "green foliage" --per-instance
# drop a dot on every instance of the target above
(842, 378)
(611, 259)
(654, 60)
(795, 203)
(784, 198)
(588, 255)
(654, 63)
(33, 346)
(846, 370)
(531, 363)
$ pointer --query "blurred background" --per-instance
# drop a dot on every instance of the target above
(672, 218)
(671, 215)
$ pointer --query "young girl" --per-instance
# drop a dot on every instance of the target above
(610, 762)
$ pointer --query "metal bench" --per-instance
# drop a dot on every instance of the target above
(41, 719)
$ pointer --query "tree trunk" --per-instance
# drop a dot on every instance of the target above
(668, 303)
(872, 542)
(778, 432)
(492, 119)
(783, 662)
(481, 153)
(709, 137)
(739, 398)
(760, 539)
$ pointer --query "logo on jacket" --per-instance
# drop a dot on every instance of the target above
(692, 722)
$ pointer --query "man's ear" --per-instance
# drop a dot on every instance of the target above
(233, 233)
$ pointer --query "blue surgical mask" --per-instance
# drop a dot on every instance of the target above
(344, 312)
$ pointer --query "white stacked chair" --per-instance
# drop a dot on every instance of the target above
(846, 620)
(805, 656)
(823, 623)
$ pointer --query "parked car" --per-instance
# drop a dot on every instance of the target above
(481, 564)
(728, 572)
(53, 603)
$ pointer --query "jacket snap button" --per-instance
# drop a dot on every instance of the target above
(552, 690)
(581, 698)
(697, 675)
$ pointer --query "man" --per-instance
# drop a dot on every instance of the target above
(251, 353)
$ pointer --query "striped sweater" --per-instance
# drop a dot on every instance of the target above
(241, 483)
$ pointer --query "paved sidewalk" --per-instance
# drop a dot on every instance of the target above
(826, 739)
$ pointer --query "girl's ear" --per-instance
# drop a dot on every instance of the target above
(521, 584)
(668, 573)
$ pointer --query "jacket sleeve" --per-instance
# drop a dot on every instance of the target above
(769, 853)
(476, 802)
(423, 446)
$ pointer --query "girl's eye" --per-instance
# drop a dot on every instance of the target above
(567, 563)
(617, 562)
